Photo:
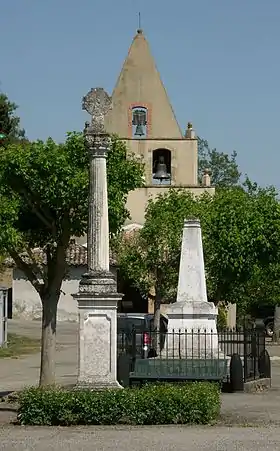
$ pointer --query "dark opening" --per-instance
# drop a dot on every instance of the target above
(162, 156)
(132, 301)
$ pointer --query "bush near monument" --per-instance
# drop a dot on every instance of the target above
(194, 403)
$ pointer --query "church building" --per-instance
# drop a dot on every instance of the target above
(143, 117)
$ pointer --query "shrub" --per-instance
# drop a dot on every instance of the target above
(197, 402)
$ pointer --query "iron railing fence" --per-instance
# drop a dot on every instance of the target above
(193, 349)
(249, 344)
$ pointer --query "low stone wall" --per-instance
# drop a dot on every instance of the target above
(27, 312)
(27, 303)
(258, 385)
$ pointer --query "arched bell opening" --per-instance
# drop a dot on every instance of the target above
(139, 122)
(161, 167)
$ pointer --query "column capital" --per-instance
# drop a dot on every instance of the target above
(97, 143)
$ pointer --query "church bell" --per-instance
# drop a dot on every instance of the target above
(140, 121)
(139, 130)
(161, 172)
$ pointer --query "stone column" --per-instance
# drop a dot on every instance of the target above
(98, 225)
(97, 297)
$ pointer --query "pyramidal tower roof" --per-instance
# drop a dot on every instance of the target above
(139, 84)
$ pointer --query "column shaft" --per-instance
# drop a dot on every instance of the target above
(98, 225)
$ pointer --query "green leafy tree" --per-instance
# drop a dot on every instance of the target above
(224, 167)
(241, 232)
(44, 202)
(241, 236)
(151, 258)
(252, 266)
(9, 122)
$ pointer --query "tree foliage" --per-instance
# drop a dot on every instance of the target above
(44, 202)
(150, 259)
(224, 167)
(153, 250)
(241, 232)
(242, 238)
(9, 121)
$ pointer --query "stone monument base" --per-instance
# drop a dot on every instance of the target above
(192, 331)
(97, 304)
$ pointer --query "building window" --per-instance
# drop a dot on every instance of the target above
(161, 167)
(139, 122)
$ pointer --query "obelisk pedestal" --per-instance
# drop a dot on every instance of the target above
(192, 329)
(97, 297)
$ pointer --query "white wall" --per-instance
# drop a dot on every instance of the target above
(27, 304)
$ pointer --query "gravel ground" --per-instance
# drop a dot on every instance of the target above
(140, 439)
(248, 421)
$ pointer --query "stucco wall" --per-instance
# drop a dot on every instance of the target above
(27, 304)
(183, 172)
(183, 158)
(137, 200)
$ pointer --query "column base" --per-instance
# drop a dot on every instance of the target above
(97, 303)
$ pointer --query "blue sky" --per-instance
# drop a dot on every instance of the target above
(219, 60)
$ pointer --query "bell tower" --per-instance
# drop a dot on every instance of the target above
(143, 117)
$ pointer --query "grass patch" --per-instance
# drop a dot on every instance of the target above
(193, 403)
(19, 345)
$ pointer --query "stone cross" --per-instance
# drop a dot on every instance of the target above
(97, 297)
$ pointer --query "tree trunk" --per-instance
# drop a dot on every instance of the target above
(276, 328)
(48, 345)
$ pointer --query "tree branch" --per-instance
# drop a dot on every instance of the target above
(34, 264)
(30, 274)
(34, 207)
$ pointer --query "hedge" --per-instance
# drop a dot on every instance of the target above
(196, 403)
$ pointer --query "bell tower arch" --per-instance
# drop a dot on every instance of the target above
(161, 168)
(139, 122)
